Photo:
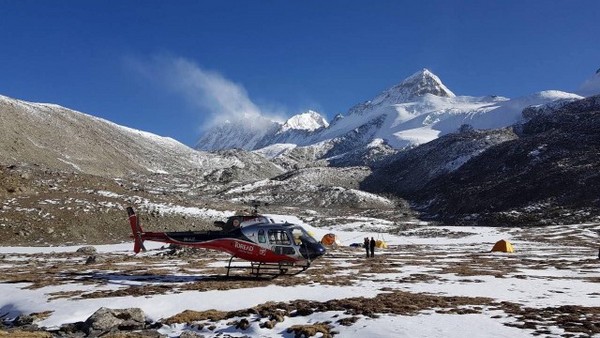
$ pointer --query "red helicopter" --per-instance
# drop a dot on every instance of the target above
(269, 246)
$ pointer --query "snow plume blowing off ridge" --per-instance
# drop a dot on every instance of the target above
(223, 100)
(591, 86)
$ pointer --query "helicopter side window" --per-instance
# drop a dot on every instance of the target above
(261, 236)
(284, 250)
(279, 237)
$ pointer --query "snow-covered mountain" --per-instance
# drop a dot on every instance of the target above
(411, 89)
(60, 138)
(242, 133)
(251, 132)
(309, 121)
(421, 108)
(415, 111)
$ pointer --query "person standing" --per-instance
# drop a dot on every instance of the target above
(366, 245)
(372, 246)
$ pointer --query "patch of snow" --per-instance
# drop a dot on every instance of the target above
(309, 121)
(275, 150)
(78, 168)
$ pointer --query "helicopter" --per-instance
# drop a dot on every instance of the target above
(271, 248)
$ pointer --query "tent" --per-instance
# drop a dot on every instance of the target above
(381, 244)
(503, 246)
(330, 240)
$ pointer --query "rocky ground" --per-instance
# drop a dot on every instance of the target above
(538, 290)
(41, 206)
(543, 290)
(49, 207)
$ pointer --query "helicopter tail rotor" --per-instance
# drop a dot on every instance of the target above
(136, 231)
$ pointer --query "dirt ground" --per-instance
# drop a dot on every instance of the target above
(171, 271)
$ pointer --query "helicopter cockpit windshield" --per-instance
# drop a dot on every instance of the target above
(302, 236)
(309, 248)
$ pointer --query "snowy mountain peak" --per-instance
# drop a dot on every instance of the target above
(424, 82)
(309, 121)
(419, 84)
(420, 75)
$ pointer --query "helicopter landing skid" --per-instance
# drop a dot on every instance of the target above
(269, 269)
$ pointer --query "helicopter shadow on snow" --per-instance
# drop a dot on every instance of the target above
(119, 278)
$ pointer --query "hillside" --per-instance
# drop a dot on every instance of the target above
(60, 138)
(67, 177)
(411, 170)
(548, 175)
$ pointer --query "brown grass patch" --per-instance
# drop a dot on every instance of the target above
(41, 315)
(311, 330)
(190, 316)
(25, 334)
(571, 318)
(136, 291)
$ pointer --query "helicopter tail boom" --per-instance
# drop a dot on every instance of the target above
(136, 231)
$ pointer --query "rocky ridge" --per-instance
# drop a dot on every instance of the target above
(549, 174)
(413, 112)
(56, 137)
(413, 169)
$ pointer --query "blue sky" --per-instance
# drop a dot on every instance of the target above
(173, 67)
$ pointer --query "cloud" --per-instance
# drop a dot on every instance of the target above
(591, 86)
(209, 91)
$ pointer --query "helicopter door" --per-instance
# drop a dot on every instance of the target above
(280, 242)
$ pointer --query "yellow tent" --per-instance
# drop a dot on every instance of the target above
(330, 240)
(381, 244)
(503, 246)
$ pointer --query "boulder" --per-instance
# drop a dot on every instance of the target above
(106, 320)
(23, 320)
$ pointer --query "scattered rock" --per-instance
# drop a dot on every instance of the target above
(269, 324)
(95, 259)
(88, 250)
(348, 321)
(190, 334)
(71, 329)
(243, 324)
(105, 320)
(136, 334)
(277, 317)
(23, 320)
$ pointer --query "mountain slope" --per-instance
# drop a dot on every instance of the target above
(60, 138)
(407, 172)
(245, 132)
(550, 174)
(251, 132)
(417, 110)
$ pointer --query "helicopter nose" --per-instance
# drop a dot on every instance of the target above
(313, 250)
(321, 250)
(317, 251)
